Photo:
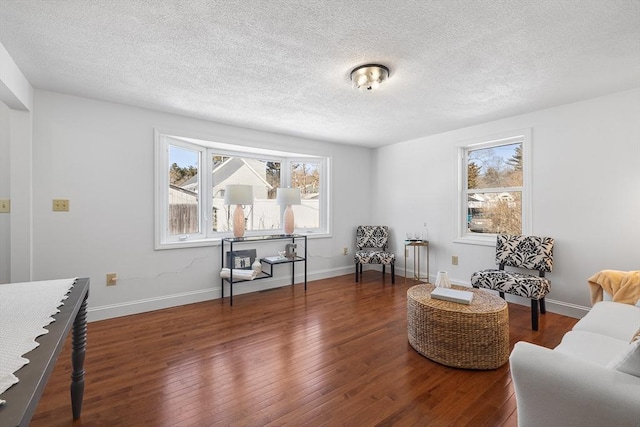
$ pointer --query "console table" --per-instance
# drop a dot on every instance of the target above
(231, 241)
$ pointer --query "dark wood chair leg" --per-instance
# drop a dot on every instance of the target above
(357, 272)
(393, 274)
(534, 314)
(543, 308)
(383, 269)
(502, 295)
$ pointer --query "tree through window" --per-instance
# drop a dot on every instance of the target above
(493, 195)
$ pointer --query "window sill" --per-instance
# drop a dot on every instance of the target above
(486, 240)
(187, 244)
(215, 241)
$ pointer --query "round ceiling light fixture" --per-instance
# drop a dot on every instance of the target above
(368, 77)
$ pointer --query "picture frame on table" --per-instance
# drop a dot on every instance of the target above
(241, 260)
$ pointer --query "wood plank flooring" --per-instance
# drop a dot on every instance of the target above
(336, 355)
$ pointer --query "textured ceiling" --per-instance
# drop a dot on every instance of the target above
(283, 65)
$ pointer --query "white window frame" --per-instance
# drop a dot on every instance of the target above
(521, 135)
(207, 146)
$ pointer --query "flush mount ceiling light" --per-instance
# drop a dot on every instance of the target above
(368, 77)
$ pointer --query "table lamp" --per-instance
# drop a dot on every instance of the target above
(287, 197)
(238, 195)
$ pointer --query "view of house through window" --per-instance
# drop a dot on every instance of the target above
(494, 183)
(494, 190)
(191, 206)
(262, 175)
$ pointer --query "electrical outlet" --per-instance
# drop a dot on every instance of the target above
(112, 278)
(345, 251)
(454, 260)
(5, 205)
(61, 205)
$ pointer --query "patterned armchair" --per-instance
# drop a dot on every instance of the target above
(371, 243)
(526, 252)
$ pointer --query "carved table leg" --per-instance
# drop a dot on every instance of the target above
(78, 350)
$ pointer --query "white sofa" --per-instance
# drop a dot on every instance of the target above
(591, 379)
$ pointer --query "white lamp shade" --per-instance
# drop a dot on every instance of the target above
(238, 195)
(288, 196)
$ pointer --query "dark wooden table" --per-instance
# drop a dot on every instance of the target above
(22, 398)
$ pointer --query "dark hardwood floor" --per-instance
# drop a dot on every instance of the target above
(336, 355)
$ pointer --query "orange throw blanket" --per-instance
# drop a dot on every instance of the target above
(623, 286)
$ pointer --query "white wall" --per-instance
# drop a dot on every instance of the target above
(16, 99)
(15, 90)
(586, 192)
(99, 155)
(5, 191)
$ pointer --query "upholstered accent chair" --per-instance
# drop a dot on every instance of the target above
(371, 243)
(524, 252)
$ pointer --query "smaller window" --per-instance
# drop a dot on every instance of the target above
(494, 187)
(184, 210)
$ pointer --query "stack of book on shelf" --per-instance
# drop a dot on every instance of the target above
(453, 295)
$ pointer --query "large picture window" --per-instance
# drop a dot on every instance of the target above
(494, 187)
(190, 207)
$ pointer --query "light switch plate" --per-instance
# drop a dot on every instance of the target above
(5, 205)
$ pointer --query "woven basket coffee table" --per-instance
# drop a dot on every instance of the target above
(471, 336)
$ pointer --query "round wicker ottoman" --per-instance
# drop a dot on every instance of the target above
(471, 336)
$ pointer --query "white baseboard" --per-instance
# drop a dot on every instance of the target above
(150, 304)
(157, 303)
(553, 306)
(566, 309)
